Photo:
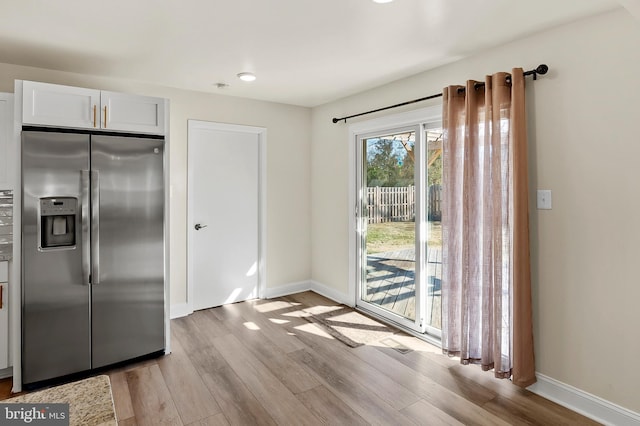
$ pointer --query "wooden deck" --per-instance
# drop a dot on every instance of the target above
(391, 283)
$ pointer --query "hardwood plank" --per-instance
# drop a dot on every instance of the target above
(132, 366)
(424, 413)
(190, 395)
(277, 334)
(462, 386)
(571, 416)
(209, 324)
(309, 298)
(522, 413)
(151, 400)
(121, 395)
(273, 306)
(131, 421)
(207, 360)
(512, 403)
(217, 420)
(238, 404)
(347, 364)
(360, 398)
(289, 372)
(436, 395)
(5, 388)
(272, 394)
(186, 328)
(329, 408)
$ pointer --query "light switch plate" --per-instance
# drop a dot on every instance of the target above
(544, 199)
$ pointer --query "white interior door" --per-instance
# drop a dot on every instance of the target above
(224, 213)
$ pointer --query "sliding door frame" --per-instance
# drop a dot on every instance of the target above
(361, 227)
(417, 120)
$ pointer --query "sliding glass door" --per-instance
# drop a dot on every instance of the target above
(399, 256)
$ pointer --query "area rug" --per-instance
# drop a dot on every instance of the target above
(351, 327)
(90, 401)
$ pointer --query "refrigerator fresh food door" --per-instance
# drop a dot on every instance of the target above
(55, 291)
(127, 248)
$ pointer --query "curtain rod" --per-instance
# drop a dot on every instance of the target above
(540, 69)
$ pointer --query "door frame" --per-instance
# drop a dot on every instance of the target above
(261, 133)
(361, 225)
(419, 117)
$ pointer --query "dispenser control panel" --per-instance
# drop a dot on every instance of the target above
(58, 206)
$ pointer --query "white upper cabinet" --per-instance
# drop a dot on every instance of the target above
(132, 113)
(60, 106)
(66, 106)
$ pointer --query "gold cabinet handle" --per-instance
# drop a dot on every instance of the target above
(94, 115)
(105, 117)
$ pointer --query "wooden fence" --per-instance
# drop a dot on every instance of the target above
(397, 204)
(435, 203)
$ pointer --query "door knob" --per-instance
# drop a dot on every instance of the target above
(199, 227)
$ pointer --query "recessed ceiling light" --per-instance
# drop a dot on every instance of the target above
(247, 76)
(382, 1)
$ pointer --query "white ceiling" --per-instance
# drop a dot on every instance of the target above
(304, 52)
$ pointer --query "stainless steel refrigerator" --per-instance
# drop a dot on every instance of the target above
(92, 251)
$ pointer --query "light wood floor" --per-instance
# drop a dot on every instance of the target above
(261, 363)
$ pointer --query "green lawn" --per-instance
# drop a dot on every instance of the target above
(394, 236)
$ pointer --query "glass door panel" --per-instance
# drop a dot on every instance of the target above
(388, 253)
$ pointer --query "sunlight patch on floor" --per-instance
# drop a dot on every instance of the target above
(312, 329)
(251, 326)
(273, 306)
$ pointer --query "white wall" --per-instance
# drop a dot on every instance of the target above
(584, 146)
(288, 166)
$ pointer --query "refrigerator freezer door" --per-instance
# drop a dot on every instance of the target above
(128, 297)
(56, 313)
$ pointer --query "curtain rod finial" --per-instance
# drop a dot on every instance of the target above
(335, 120)
(542, 69)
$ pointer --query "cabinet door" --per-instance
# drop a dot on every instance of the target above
(60, 106)
(7, 144)
(132, 113)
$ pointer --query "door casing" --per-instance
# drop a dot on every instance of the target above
(261, 133)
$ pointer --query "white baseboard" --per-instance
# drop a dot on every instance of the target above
(583, 402)
(180, 310)
(287, 289)
(331, 293)
(6, 372)
(293, 288)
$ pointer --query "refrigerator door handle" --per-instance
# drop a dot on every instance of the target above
(84, 222)
(95, 227)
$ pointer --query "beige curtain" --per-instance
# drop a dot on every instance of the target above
(486, 285)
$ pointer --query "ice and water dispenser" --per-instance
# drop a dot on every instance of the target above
(58, 222)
